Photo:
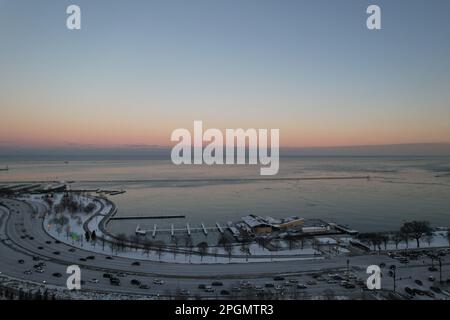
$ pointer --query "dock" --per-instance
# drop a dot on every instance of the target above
(148, 217)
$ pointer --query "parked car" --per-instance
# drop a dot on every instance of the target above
(225, 292)
(278, 278)
(93, 281)
(57, 275)
(135, 282)
(217, 283)
(201, 286)
(136, 263)
(21, 261)
(158, 281)
(420, 283)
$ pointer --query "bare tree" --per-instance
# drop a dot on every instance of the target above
(416, 229)
(202, 249)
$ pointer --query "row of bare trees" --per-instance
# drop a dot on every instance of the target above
(413, 230)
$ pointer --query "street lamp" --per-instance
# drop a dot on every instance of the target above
(393, 274)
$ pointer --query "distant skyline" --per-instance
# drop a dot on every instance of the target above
(137, 70)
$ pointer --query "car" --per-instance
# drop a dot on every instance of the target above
(431, 278)
(184, 292)
(429, 293)
(135, 282)
(201, 286)
(432, 268)
(114, 281)
(107, 275)
(418, 292)
(382, 265)
(31, 238)
(269, 285)
(293, 280)
(93, 281)
(158, 281)
(28, 272)
(57, 275)
(56, 252)
(259, 288)
(436, 289)
(278, 278)
(311, 282)
(209, 289)
(108, 258)
(36, 258)
(90, 257)
(409, 291)
(301, 286)
(121, 275)
(224, 292)
(57, 242)
(71, 250)
(40, 248)
(21, 261)
(136, 263)
(236, 289)
(349, 286)
(39, 270)
(144, 286)
(217, 283)
(82, 259)
(48, 242)
(418, 282)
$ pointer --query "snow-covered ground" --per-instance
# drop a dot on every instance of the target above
(72, 233)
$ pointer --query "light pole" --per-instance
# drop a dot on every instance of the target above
(393, 274)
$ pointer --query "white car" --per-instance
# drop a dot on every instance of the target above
(158, 281)
(93, 281)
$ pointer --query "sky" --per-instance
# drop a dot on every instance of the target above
(137, 70)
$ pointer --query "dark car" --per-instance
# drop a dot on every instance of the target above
(278, 278)
(409, 291)
(71, 250)
(57, 241)
(420, 283)
(225, 292)
(114, 281)
(57, 275)
(82, 259)
(36, 258)
(144, 286)
(40, 248)
(436, 289)
(56, 252)
(202, 286)
(90, 257)
(432, 269)
(48, 242)
(217, 283)
(136, 263)
(107, 275)
(21, 261)
(135, 282)
(301, 286)
(109, 258)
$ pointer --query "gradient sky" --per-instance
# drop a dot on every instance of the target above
(140, 69)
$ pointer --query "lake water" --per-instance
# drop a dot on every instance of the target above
(399, 189)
